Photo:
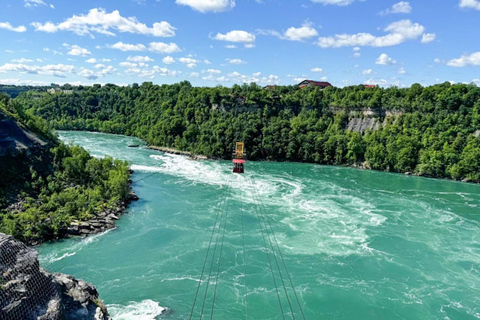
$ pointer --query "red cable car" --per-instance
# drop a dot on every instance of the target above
(239, 158)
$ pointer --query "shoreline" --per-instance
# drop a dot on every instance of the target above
(101, 222)
(191, 155)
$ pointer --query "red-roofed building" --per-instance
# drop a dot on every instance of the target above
(370, 86)
(319, 84)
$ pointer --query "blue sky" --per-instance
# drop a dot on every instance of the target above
(211, 42)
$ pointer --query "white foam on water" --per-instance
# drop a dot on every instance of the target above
(73, 247)
(144, 310)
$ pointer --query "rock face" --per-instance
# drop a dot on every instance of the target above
(363, 124)
(29, 292)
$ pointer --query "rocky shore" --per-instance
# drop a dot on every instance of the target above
(102, 221)
(179, 152)
(28, 291)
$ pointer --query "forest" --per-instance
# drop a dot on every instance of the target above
(43, 189)
(430, 131)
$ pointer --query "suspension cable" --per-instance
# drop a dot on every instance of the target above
(219, 262)
(268, 255)
(273, 251)
(206, 258)
(244, 265)
(282, 257)
(213, 257)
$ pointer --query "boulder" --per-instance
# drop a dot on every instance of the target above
(30, 292)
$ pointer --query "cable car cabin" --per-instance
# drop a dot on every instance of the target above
(239, 158)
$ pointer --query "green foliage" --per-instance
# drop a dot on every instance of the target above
(427, 130)
(55, 185)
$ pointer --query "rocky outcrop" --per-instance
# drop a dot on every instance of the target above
(29, 292)
(179, 152)
(361, 125)
(477, 134)
(15, 138)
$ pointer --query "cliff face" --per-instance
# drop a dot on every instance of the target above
(15, 138)
(28, 291)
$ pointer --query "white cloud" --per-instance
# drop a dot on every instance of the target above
(208, 5)
(22, 60)
(150, 73)
(168, 60)
(36, 3)
(89, 74)
(99, 21)
(465, 60)
(400, 7)
(189, 62)
(367, 71)
(428, 37)
(128, 47)
(299, 34)
(18, 82)
(212, 71)
(472, 4)
(236, 61)
(57, 70)
(402, 71)
(139, 59)
(317, 70)
(160, 47)
(334, 2)
(231, 46)
(206, 61)
(397, 33)
(78, 51)
(91, 60)
(240, 36)
(385, 60)
(8, 26)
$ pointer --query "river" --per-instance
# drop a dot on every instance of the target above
(357, 244)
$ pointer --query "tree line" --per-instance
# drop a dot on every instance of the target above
(432, 132)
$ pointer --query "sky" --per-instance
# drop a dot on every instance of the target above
(212, 42)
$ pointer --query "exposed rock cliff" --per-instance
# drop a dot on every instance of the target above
(28, 291)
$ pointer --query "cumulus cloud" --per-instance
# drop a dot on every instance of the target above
(139, 59)
(212, 71)
(397, 33)
(208, 5)
(306, 31)
(91, 60)
(168, 60)
(189, 62)
(367, 71)
(160, 47)
(465, 60)
(248, 39)
(400, 7)
(78, 51)
(8, 26)
(402, 71)
(128, 47)
(57, 70)
(236, 61)
(471, 4)
(428, 37)
(22, 60)
(99, 21)
(385, 60)
(317, 70)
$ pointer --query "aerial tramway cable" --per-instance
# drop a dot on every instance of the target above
(281, 256)
(206, 258)
(269, 260)
(224, 214)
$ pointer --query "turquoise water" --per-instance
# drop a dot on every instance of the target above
(357, 244)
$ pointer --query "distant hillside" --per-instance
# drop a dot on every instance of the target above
(46, 185)
(431, 131)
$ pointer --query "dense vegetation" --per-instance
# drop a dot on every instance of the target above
(54, 184)
(432, 132)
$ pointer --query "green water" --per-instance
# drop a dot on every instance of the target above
(357, 244)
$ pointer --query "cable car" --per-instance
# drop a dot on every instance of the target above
(239, 158)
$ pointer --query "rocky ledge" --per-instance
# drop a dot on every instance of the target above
(179, 152)
(101, 222)
(28, 291)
